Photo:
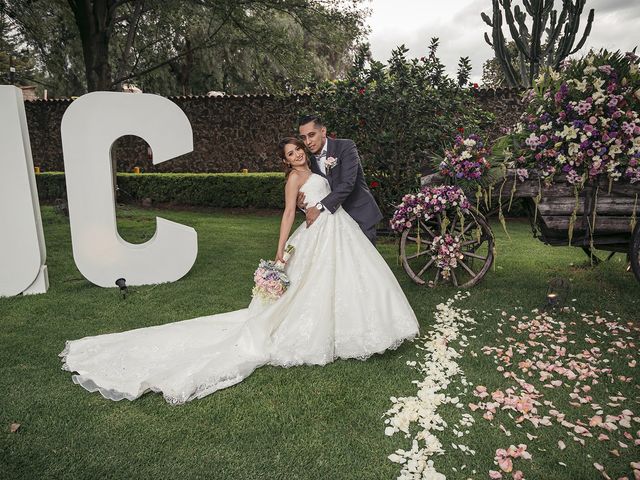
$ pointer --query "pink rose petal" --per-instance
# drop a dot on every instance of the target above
(505, 464)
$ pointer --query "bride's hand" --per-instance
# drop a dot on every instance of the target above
(280, 256)
(301, 201)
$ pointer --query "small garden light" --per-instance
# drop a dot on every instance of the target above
(122, 283)
(557, 292)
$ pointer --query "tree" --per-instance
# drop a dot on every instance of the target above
(177, 46)
(16, 66)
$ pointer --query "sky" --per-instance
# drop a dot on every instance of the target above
(461, 30)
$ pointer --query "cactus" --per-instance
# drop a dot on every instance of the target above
(560, 30)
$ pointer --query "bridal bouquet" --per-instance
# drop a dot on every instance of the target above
(270, 280)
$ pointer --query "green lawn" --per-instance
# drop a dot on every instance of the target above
(298, 423)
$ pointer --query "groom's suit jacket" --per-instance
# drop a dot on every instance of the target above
(348, 185)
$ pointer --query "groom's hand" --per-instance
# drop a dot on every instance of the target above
(302, 203)
(312, 215)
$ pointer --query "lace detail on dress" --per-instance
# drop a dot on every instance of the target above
(343, 302)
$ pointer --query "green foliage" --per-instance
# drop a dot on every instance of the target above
(228, 190)
(399, 115)
(183, 47)
(12, 54)
(51, 186)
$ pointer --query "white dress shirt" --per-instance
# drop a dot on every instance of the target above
(320, 158)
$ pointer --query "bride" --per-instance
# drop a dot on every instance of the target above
(343, 302)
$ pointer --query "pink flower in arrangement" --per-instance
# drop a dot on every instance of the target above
(446, 251)
(427, 203)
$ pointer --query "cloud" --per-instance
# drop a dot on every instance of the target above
(461, 30)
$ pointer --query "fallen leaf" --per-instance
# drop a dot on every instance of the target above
(14, 427)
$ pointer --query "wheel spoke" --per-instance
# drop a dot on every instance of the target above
(473, 255)
(468, 242)
(464, 265)
(416, 255)
(427, 229)
(454, 278)
(435, 280)
(424, 269)
(415, 239)
(467, 227)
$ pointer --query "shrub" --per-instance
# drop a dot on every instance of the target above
(399, 115)
(226, 190)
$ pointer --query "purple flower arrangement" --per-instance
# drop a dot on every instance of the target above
(467, 159)
(583, 121)
(427, 203)
(270, 279)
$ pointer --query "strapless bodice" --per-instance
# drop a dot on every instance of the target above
(315, 189)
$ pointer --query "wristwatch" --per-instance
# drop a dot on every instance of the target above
(320, 206)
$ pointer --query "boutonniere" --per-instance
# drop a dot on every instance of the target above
(330, 162)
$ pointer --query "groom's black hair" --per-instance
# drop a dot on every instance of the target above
(310, 118)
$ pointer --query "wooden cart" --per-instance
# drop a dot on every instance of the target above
(604, 218)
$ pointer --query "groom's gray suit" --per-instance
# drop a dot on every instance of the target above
(348, 186)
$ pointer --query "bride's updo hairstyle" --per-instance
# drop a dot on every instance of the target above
(290, 141)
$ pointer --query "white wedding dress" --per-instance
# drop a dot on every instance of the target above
(343, 302)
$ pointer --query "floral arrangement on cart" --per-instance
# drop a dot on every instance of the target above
(573, 157)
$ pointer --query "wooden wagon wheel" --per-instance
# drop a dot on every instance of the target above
(634, 252)
(476, 245)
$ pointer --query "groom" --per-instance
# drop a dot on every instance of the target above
(337, 160)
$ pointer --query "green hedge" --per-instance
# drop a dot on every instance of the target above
(228, 190)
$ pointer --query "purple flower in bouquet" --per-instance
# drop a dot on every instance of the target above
(590, 119)
(606, 69)
(466, 160)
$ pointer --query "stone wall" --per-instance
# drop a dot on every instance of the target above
(230, 133)
(505, 104)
